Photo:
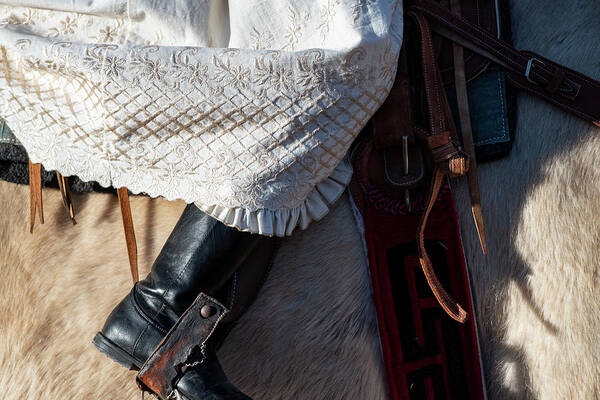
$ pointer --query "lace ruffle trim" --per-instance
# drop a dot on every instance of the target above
(283, 222)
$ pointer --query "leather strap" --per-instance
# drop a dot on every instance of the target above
(451, 306)
(448, 159)
(166, 365)
(65, 191)
(129, 232)
(393, 120)
(561, 86)
(441, 138)
(35, 194)
(433, 85)
(462, 99)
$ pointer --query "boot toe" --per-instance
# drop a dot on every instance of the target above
(198, 384)
(128, 337)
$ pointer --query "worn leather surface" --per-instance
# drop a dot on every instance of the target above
(438, 135)
(200, 255)
(207, 381)
(482, 13)
(561, 86)
(242, 288)
(185, 362)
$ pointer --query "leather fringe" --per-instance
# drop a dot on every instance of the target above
(65, 191)
(36, 206)
(35, 194)
(129, 232)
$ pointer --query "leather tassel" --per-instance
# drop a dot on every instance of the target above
(65, 191)
(462, 99)
(35, 194)
(129, 232)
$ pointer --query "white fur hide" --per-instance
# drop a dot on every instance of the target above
(311, 334)
(537, 291)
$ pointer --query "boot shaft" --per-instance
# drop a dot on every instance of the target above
(200, 255)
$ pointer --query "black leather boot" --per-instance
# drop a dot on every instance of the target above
(207, 381)
(184, 365)
(201, 255)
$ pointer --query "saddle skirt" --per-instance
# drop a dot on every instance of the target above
(246, 109)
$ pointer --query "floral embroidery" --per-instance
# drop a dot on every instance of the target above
(186, 69)
(262, 40)
(293, 32)
(253, 188)
(237, 76)
(66, 26)
(352, 69)
(11, 20)
(271, 74)
(315, 73)
(388, 64)
(108, 34)
(96, 60)
(246, 129)
(113, 66)
(153, 69)
(30, 16)
(327, 15)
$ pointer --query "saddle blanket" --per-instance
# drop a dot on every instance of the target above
(427, 355)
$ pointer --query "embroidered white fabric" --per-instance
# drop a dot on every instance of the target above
(245, 107)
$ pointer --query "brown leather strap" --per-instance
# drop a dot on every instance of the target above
(462, 100)
(65, 191)
(393, 120)
(563, 87)
(447, 157)
(433, 85)
(163, 369)
(35, 194)
(129, 232)
(442, 133)
(451, 306)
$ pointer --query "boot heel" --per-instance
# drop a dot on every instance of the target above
(115, 353)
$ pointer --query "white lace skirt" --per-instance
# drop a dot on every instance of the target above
(245, 107)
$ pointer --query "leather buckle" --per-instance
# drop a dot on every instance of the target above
(529, 66)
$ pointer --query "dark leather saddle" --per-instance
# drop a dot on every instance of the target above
(396, 161)
(413, 143)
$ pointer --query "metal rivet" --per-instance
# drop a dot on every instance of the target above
(206, 311)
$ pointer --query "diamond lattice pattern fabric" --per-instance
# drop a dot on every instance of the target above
(246, 107)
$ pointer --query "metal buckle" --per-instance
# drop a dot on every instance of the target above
(528, 69)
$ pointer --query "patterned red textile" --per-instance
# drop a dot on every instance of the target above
(427, 355)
